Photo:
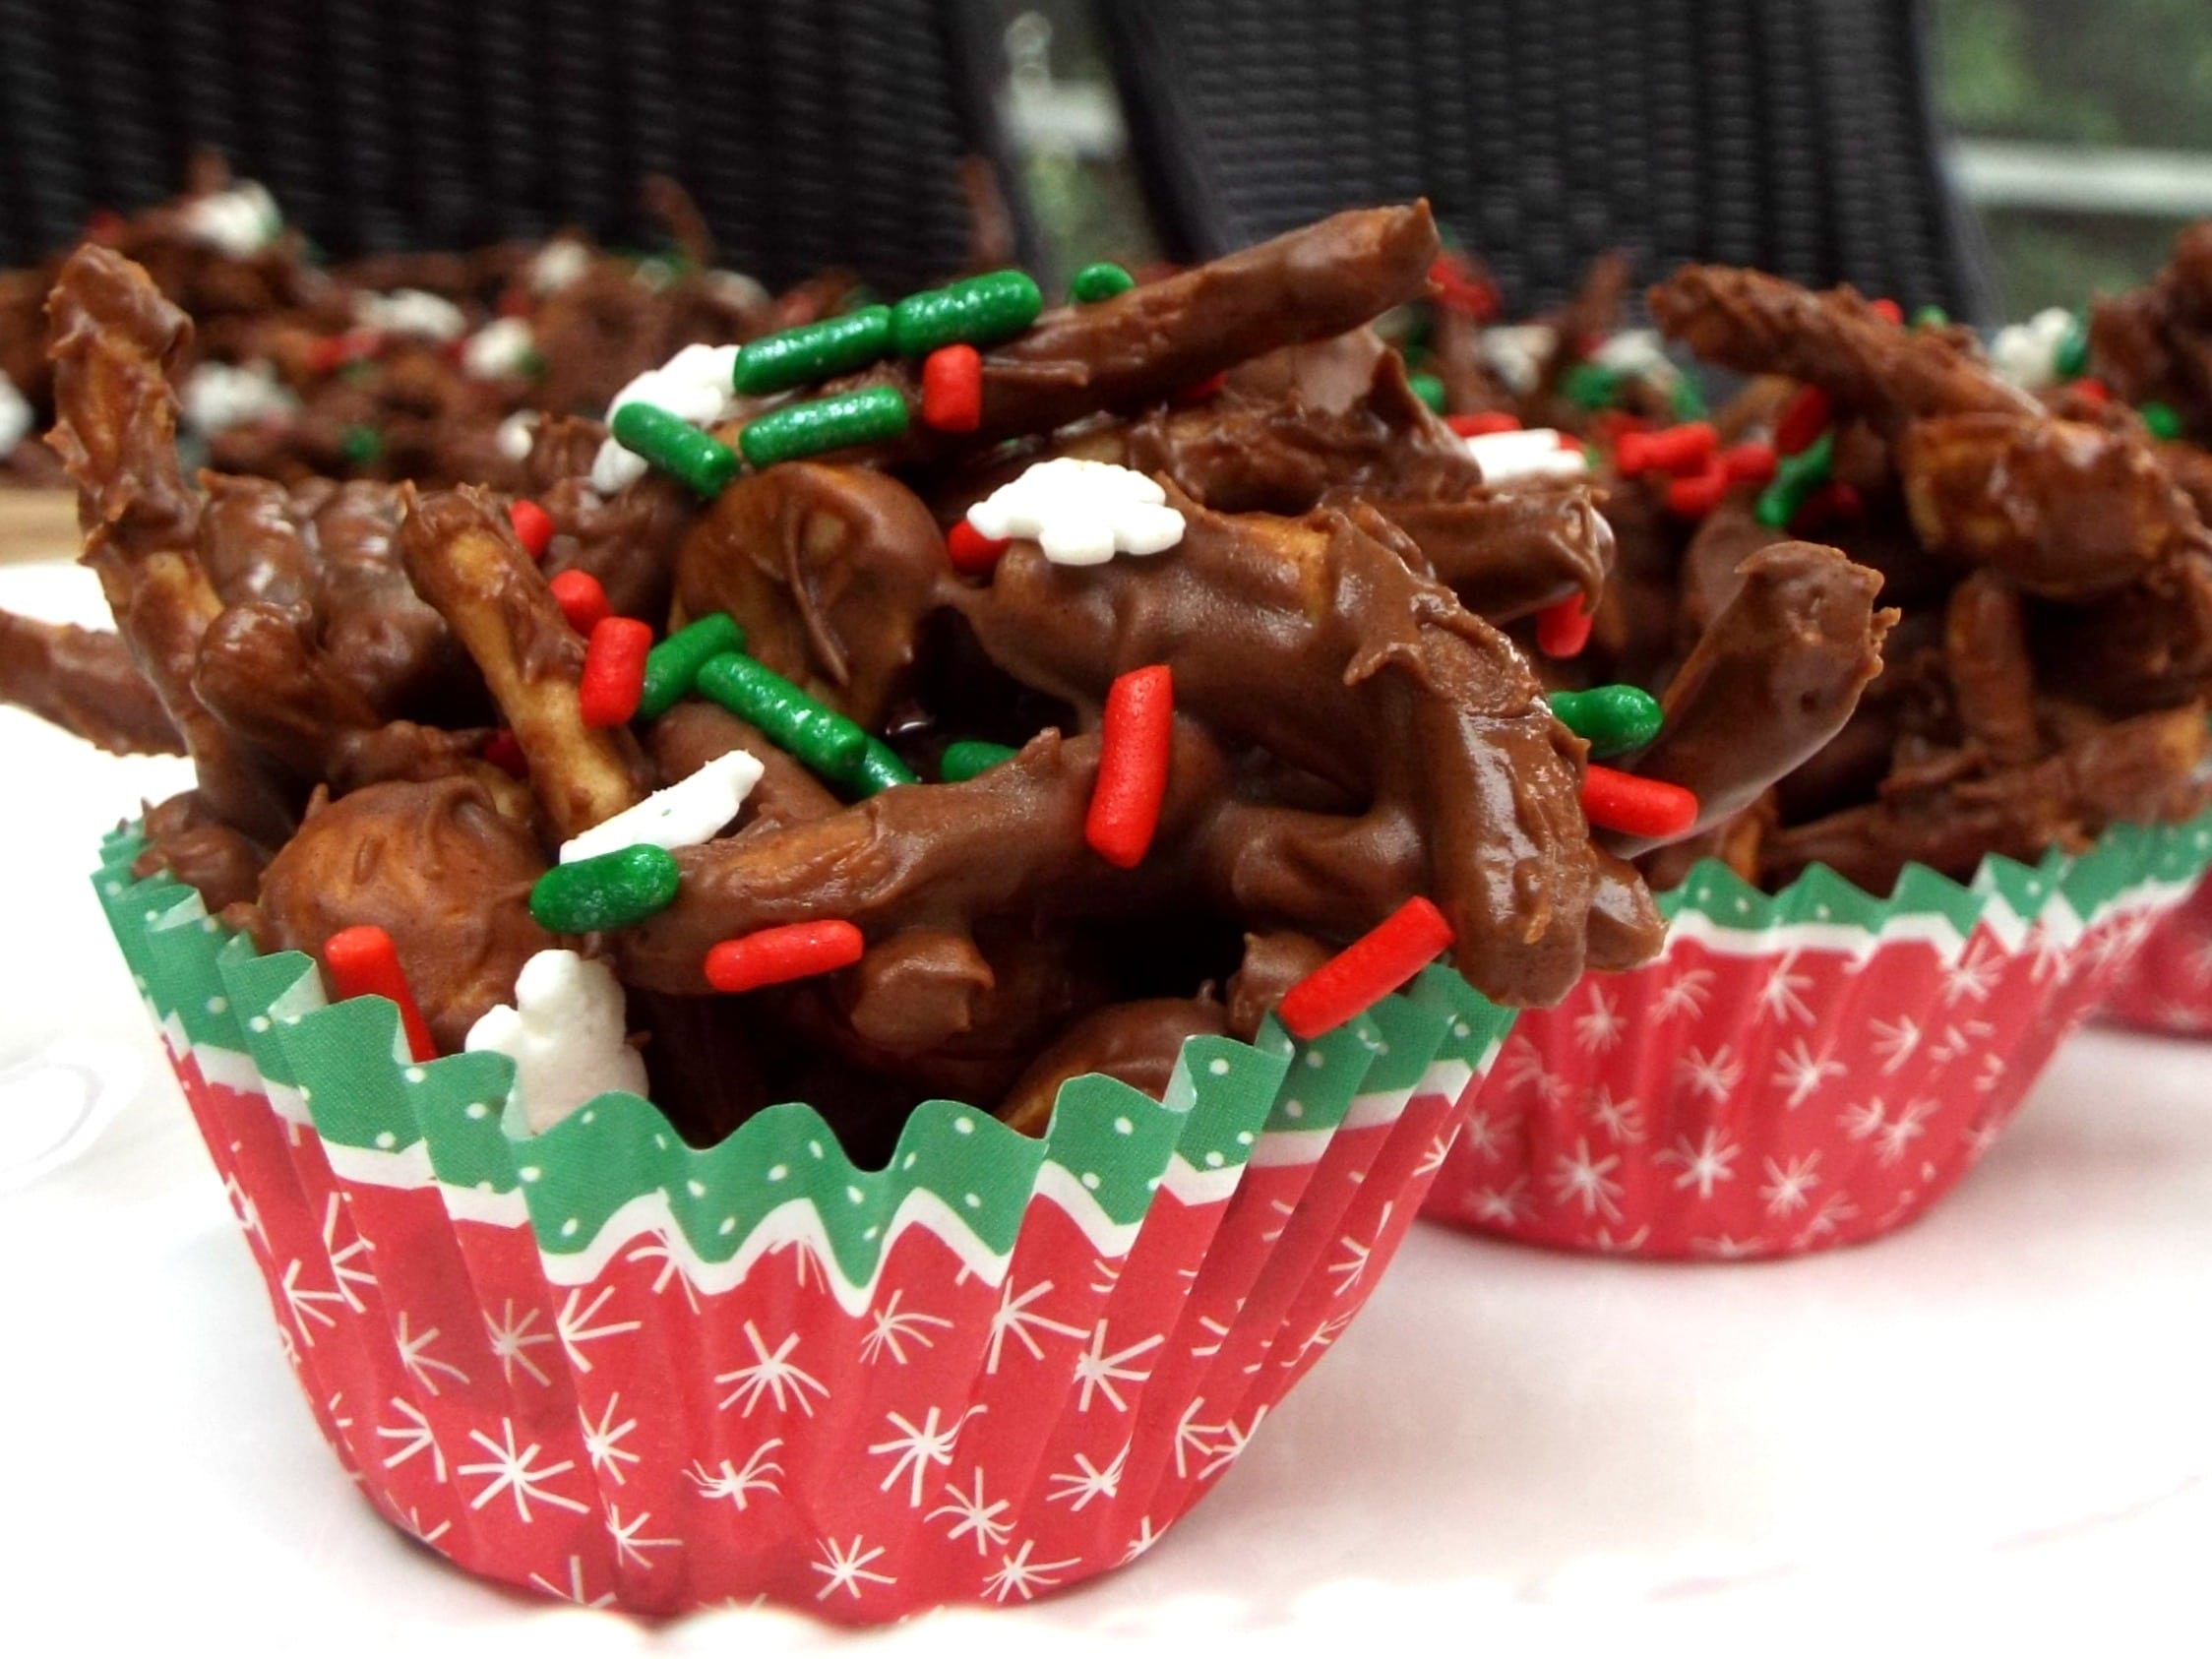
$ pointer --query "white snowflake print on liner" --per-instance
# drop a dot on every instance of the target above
(694, 385)
(1535, 453)
(411, 311)
(1080, 511)
(566, 1034)
(503, 346)
(683, 815)
(239, 222)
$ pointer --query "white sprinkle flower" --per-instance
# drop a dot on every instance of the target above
(2027, 353)
(16, 417)
(683, 815)
(216, 396)
(411, 311)
(1080, 511)
(517, 434)
(694, 385)
(502, 347)
(736, 289)
(1636, 355)
(565, 1035)
(1531, 454)
(239, 222)
(1516, 354)
(558, 264)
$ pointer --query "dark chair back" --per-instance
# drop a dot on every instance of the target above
(1794, 135)
(811, 132)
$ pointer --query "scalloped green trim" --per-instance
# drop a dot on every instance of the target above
(615, 1169)
(2124, 858)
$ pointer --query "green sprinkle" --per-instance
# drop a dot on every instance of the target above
(1687, 401)
(880, 768)
(1590, 386)
(1931, 317)
(611, 891)
(963, 761)
(360, 444)
(675, 446)
(1611, 719)
(1796, 476)
(1103, 281)
(531, 363)
(2072, 360)
(357, 371)
(813, 351)
(2162, 418)
(819, 738)
(867, 416)
(1429, 389)
(672, 666)
(978, 311)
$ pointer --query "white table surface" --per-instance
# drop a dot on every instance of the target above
(1995, 1426)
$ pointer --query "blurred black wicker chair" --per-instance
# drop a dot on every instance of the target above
(809, 131)
(1795, 135)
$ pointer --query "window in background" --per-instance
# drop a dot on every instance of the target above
(2083, 135)
(1058, 105)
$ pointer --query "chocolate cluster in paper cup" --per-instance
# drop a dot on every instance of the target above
(1807, 1069)
(609, 1366)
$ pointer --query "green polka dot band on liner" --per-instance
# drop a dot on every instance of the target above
(347, 1063)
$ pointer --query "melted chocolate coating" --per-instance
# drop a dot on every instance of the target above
(2065, 511)
(185, 839)
(1774, 678)
(84, 681)
(1136, 1043)
(439, 868)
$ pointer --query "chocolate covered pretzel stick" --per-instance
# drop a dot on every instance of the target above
(84, 681)
(465, 560)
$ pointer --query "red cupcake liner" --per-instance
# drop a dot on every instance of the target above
(1806, 1071)
(606, 1367)
(2166, 986)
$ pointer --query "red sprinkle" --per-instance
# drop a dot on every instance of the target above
(1888, 310)
(334, 351)
(2090, 391)
(1366, 970)
(614, 671)
(1610, 426)
(1562, 627)
(582, 601)
(504, 750)
(1695, 494)
(105, 226)
(1458, 289)
(971, 551)
(1642, 807)
(1806, 419)
(533, 527)
(1749, 463)
(952, 388)
(1133, 758)
(1481, 425)
(516, 300)
(1833, 500)
(363, 962)
(1675, 448)
(776, 955)
(1204, 389)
